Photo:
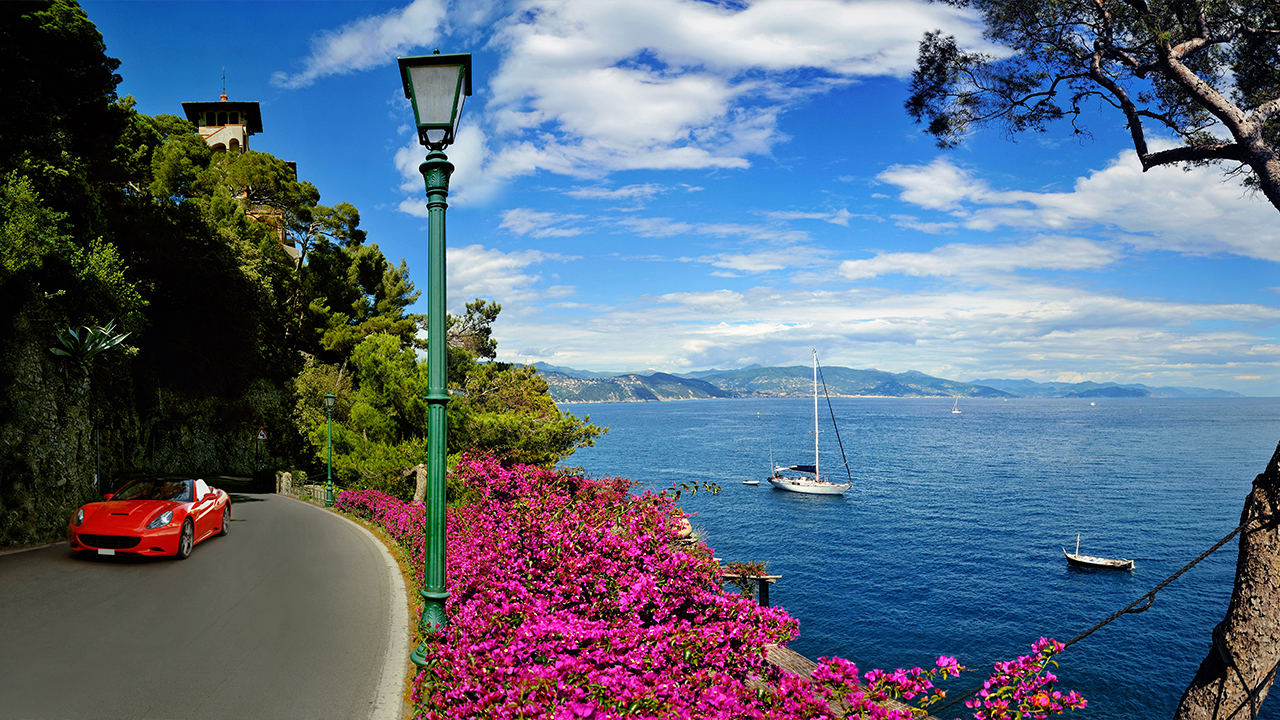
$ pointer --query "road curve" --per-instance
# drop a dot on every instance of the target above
(295, 613)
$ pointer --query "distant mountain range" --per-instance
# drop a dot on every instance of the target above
(568, 385)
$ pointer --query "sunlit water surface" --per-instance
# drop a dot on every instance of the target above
(950, 542)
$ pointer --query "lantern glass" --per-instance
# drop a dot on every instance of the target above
(435, 93)
(329, 400)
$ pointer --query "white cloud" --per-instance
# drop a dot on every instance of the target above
(656, 227)
(469, 183)
(1015, 329)
(839, 217)
(911, 222)
(1195, 211)
(477, 271)
(666, 227)
(523, 221)
(1048, 253)
(629, 192)
(586, 88)
(367, 43)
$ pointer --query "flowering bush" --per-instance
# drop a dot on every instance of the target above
(1024, 688)
(570, 598)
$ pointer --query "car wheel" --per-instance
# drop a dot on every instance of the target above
(186, 540)
(226, 520)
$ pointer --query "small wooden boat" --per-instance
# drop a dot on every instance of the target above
(1095, 562)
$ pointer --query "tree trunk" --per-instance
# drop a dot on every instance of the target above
(1234, 678)
(420, 490)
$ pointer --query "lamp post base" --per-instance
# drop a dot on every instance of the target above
(431, 624)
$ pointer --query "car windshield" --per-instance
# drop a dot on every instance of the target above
(155, 489)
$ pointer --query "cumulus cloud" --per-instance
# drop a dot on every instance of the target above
(586, 88)
(1195, 211)
(367, 43)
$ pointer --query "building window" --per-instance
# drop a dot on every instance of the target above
(218, 148)
(209, 119)
(234, 145)
(235, 118)
(222, 118)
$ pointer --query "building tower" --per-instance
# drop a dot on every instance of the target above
(225, 125)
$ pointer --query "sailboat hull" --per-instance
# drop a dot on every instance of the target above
(808, 486)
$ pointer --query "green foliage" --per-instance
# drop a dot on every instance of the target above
(228, 276)
(29, 231)
(379, 418)
(746, 573)
(505, 410)
(59, 120)
(35, 247)
(82, 345)
(473, 332)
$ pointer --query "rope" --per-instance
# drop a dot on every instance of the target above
(1150, 598)
(833, 418)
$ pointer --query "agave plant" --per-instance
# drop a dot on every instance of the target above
(87, 342)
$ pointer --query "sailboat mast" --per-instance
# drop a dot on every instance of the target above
(816, 474)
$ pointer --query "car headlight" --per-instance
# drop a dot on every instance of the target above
(79, 518)
(165, 518)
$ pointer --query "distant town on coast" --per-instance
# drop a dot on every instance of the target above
(568, 385)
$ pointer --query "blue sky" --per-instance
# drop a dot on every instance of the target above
(679, 185)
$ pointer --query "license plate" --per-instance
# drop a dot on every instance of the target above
(106, 551)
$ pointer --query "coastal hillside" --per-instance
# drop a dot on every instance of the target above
(568, 385)
(571, 386)
(628, 388)
(1030, 388)
(797, 380)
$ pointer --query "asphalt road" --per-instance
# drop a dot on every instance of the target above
(295, 613)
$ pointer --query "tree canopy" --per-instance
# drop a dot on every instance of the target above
(380, 417)
(1206, 72)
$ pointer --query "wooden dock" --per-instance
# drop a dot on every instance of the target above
(762, 583)
(792, 662)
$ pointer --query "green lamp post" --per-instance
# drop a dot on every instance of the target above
(329, 400)
(437, 85)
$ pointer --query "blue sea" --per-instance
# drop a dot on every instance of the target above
(950, 542)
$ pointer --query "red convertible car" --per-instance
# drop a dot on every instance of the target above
(151, 515)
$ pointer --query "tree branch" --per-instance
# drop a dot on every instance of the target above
(1206, 95)
(1193, 153)
(1126, 105)
(1262, 114)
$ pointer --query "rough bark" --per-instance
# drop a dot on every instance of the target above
(1236, 675)
(420, 490)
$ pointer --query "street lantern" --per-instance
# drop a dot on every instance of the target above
(437, 85)
(329, 400)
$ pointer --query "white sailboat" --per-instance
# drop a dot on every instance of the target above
(955, 409)
(806, 478)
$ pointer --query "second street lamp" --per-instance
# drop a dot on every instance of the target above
(329, 400)
(437, 85)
